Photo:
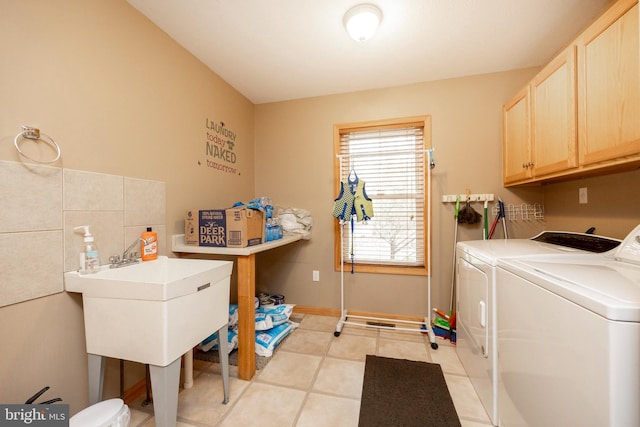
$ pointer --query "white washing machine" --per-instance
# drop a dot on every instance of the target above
(476, 262)
(569, 338)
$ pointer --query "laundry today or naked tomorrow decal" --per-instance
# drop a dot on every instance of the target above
(219, 147)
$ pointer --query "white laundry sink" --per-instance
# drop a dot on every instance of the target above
(154, 311)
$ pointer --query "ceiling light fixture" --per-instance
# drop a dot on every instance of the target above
(362, 21)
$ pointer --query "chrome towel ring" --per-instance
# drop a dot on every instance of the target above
(29, 132)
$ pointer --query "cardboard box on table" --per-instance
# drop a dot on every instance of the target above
(232, 228)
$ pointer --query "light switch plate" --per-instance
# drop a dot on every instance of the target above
(582, 195)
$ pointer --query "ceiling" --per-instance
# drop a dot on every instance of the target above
(275, 50)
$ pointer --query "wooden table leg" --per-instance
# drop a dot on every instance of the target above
(246, 316)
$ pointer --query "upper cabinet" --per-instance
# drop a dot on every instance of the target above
(516, 154)
(539, 123)
(582, 110)
(553, 122)
(609, 86)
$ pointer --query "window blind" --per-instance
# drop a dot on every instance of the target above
(392, 161)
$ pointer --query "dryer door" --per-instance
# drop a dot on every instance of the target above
(473, 311)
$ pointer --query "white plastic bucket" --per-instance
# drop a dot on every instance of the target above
(108, 413)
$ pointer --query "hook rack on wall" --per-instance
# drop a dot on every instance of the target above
(522, 212)
(451, 198)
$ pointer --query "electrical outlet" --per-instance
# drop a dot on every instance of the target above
(316, 275)
(582, 196)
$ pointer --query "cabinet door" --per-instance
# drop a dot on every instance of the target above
(516, 155)
(553, 119)
(609, 86)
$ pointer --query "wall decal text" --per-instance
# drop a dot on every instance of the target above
(219, 147)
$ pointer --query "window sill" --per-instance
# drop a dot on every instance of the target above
(384, 269)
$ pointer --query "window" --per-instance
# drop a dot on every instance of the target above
(390, 157)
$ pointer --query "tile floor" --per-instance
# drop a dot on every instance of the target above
(313, 380)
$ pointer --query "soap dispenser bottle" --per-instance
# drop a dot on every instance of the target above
(149, 245)
(89, 258)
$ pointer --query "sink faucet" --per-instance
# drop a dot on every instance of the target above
(126, 254)
(128, 257)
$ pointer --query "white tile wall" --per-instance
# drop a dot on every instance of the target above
(145, 202)
(41, 207)
(32, 265)
(31, 197)
(88, 191)
(145, 206)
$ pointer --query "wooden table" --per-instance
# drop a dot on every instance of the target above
(246, 292)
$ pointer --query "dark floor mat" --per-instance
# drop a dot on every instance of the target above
(405, 393)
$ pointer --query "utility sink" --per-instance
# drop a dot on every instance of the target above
(154, 311)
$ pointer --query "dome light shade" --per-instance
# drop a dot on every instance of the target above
(362, 21)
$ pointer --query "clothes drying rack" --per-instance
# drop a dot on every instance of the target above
(425, 327)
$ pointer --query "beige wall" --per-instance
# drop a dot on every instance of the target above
(295, 147)
(613, 206)
(120, 97)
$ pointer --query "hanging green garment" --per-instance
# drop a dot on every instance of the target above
(353, 200)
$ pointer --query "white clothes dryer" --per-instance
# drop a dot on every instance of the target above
(476, 323)
(569, 338)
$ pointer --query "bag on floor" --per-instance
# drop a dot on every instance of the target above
(211, 342)
(263, 321)
(268, 317)
(233, 315)
(266, 341)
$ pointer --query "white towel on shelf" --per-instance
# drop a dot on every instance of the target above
(295, 221)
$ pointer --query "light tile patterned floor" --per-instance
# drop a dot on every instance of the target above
(313, 380)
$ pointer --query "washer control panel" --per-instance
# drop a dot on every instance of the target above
(629, 250)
